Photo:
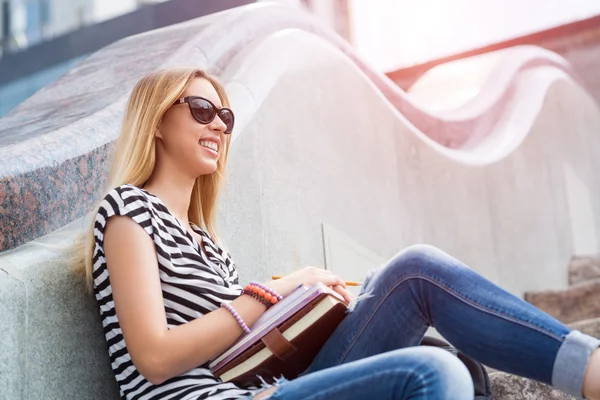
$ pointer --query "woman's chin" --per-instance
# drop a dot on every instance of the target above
(206, 167)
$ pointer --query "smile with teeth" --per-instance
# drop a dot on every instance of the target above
(210, 145)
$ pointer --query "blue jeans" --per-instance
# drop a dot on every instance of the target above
(372, 354)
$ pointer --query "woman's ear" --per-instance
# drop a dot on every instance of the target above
(157, 133)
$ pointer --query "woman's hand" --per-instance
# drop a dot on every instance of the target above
(344, 292)
(309, 276)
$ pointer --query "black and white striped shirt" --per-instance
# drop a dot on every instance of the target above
(194, 282)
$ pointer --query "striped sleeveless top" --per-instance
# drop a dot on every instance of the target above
(194, 282)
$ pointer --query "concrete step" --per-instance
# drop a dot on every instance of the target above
(589, 327)
(577, 303)
(511, 387)
(583, 269)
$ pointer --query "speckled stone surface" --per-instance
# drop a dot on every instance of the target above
(54, 147)
(511, 387)
(41, 200)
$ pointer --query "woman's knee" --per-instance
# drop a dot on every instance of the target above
(415, 261)
(443, 372)
(424, 259)
(421, 251)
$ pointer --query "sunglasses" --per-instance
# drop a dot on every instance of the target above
(204, 111)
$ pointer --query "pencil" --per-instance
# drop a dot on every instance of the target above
(348, 283)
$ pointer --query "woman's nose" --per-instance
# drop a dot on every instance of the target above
(218, 124)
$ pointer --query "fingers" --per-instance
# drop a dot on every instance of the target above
(333, 280)
(310, 275)
(345, 293)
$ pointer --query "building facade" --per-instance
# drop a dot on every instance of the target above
(42, 39)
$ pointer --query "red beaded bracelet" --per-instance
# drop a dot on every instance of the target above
(261, 295)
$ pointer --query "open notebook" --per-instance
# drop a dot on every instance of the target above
(285, 339)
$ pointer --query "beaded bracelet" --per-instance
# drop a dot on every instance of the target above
(250, 291)
(237, 316)
(262, 293)
(267, 289)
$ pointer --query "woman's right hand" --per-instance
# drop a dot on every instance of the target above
(305, 276)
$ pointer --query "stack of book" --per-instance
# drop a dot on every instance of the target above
(284, 340)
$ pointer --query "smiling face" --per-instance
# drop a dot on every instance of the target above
(194, 148)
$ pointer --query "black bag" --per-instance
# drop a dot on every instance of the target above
(481, 379)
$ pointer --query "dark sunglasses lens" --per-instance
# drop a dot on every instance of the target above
(228, 119)
(203, 111)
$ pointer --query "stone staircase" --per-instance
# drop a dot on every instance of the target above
(578, 306)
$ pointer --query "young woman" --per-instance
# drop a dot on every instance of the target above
(170, 301)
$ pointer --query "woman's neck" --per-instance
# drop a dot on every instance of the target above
(174, 191)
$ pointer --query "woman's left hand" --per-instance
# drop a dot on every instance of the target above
(344, 292)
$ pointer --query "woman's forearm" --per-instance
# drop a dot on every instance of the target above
(190, 345)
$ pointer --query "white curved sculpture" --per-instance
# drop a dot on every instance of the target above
(516, 203)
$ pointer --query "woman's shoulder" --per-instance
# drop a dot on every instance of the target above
(126, 190)
(126, 200)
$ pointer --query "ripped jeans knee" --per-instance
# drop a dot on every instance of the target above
(267, 389)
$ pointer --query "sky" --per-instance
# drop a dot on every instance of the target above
(397, 33)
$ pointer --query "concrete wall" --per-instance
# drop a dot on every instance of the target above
(52, 343)
(321, 140)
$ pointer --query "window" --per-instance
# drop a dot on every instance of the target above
(33, 24)
(4, 26)
(5, 11)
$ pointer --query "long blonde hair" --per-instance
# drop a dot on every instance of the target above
(134, 155)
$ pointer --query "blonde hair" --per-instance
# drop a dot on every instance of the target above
(134, 156)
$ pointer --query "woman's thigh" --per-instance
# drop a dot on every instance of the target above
(414, 373)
